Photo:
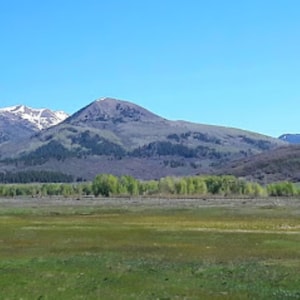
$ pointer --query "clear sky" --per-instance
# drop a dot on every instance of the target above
(226, 62)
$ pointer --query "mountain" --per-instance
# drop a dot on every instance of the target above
(290, 138)
(19, 122)
(38, 118)
(279, 164)
(119, 137)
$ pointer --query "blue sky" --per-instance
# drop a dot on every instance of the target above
(231, 63)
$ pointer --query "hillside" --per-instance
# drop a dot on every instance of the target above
(119, 137)
(278, 164)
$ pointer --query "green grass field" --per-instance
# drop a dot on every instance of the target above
(150, 253)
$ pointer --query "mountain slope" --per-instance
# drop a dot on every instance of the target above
(279, 164)
(133, 126)
(119, 137)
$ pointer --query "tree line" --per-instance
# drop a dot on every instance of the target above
(108, 185)
(35, 176)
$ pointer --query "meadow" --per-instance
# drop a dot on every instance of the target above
(149, 249)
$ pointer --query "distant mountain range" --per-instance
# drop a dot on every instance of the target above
(119, 137)
(290, 138)
(18, 122)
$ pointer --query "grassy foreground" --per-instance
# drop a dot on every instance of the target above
(153, 253)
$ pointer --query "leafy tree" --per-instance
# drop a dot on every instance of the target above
(167, 185)
(199, 185)
(105, 185)
(150, 187)
(282, 189)
(11, 191)
(87, 189)
(128, 185)
(214, 184)
(132, 185)
(181, 187)
(253, 189)
(53, 189)
(66, 190)
(190, 185)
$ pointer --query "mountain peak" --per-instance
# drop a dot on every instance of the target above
(120, 137)
(106, 99)
(110, 110)
(38, 118)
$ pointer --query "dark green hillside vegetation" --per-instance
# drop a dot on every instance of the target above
(169, 149)
(53, 149)
(257, 143)
(203, 137)
(97, 145)
(164, 149)
(34, 176)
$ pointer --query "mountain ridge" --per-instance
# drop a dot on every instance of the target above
(120, 137)
(20, 122)
(40, 118)
(279, 164)
(292, 138)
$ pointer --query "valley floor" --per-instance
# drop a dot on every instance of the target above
(113, 248)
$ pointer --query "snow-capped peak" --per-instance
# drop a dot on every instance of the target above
(40, 118)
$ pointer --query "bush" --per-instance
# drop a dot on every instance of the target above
(285, 188)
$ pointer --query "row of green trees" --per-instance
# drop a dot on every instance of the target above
(109, 185)
(48, 189)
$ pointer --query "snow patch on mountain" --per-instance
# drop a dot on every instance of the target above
(40, 118)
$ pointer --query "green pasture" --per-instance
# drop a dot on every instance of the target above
(150, 253)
